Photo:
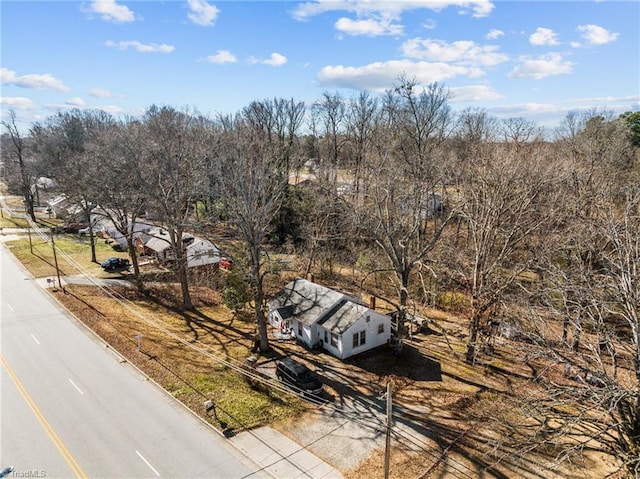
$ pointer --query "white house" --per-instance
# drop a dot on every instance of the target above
(319, 316)
(62, 208)
(199, 251)
(140, 232)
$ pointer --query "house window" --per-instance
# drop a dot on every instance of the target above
(359, 339)
(300, 329)
(326, 336)
(380, 328)
(334, 340)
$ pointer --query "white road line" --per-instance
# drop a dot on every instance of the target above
(147, 463)
(35, 339)
(74, 385)
(9, 306)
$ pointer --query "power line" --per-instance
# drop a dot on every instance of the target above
(239, 367)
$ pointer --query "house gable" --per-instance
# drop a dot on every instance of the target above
(199, 251)
(342, 316)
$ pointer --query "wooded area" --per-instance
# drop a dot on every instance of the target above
(525, 233)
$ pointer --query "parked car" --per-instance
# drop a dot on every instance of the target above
(226, 263)
(97, 230)
(71, 227)
(113, 265)
(296, 374)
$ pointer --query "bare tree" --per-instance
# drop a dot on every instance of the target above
(65, 142)
(519, 131)
(422, 122)
(120, 159)
(177, 144)
(361, 115)
(277, 121)
(15, 152)
(504, 200)
(595, 143)
(401, 207)
(330, 114)
(250, 181)
(602, 374)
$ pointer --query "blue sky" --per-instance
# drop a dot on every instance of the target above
(536, 60)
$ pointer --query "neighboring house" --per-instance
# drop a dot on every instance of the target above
(431, 206)
(200, 252)
(62, 208)
(319, 316)
(45, 183)
(141, 233)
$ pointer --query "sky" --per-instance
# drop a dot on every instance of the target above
(514, 59)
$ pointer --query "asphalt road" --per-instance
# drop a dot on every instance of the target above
(70, 407)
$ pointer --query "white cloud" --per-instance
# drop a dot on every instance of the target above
(382, 75)
(596, 35)
(76, 101)
(369, 27)
(362, 8)
(532, 110)
(112, 109)
(222, 56)
(202, 13)
(9, 77)
(494, 34)
(140, 47)
(275, 60)
(17, 103)
(543, 36)
(541, 67)
(117, 110)
(463, 52)
(100, 93)
(473, 93)
(429, 24)
(110, 11)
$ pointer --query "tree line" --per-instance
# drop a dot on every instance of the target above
(512, 227)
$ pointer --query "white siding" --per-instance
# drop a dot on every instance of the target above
(373, 338)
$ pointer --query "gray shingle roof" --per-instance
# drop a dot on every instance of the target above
(313, 303)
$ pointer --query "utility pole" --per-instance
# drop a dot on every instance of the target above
(29, 234)
(55, 259)
(387, 449)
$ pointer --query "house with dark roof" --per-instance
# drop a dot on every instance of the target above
(318, 316)
(200, 252)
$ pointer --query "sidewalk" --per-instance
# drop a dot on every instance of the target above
(281, 457)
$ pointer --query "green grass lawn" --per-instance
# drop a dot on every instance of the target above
(73, 254)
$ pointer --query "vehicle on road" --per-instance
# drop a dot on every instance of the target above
(116, 265)
(296, 374)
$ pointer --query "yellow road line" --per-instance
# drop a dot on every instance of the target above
(64, 452)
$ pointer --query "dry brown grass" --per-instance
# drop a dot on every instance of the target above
(460, 412)
(220, 343)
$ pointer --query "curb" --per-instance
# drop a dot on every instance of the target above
(123, 359)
